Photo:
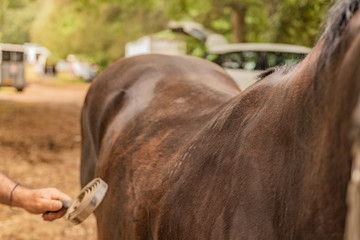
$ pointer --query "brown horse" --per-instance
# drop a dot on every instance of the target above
(187, 155)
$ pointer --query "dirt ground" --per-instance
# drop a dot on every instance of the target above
(40, 147)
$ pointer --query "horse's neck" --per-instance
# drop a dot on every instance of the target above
(331, 96)
(336, 84)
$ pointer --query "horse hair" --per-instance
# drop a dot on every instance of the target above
(266, 73)
(284, 69)
(338, 17)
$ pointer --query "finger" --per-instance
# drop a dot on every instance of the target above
(58, 195)
(51, 216)
(51, 205)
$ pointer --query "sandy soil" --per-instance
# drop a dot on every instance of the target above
(40, 147)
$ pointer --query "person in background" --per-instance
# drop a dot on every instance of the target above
(45, 201)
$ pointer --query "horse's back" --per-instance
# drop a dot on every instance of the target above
(154, 84)
(147, 78)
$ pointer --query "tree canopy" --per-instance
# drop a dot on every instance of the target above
(99, 29)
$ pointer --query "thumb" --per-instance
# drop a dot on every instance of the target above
(52, 205)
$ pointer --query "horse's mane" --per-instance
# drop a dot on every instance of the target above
(266, 73)
(338, 17)
(284, 69)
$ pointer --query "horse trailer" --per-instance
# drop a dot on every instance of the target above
(12, 70)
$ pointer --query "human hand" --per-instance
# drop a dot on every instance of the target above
(43, 201)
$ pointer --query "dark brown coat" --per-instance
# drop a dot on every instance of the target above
(188, 156)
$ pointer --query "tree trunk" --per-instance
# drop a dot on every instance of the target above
(238, 23)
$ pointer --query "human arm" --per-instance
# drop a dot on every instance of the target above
(37, 201)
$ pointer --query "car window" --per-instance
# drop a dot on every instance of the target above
(274, 59)
(292, 57)
(256, 60)
(250, 60)
(230, 60)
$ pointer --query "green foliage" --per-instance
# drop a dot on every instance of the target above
(15, 20)
(194, 47)
(99, 29)
(301, 21)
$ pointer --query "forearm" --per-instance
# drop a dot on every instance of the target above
(37, 201)
(6, 186)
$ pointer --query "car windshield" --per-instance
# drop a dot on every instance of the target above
(256, 60)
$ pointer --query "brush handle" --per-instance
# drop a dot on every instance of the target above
(65, 206)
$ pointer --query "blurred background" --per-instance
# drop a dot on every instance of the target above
(98, 30)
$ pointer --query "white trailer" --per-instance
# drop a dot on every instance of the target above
(156, 43)
(12, 66)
